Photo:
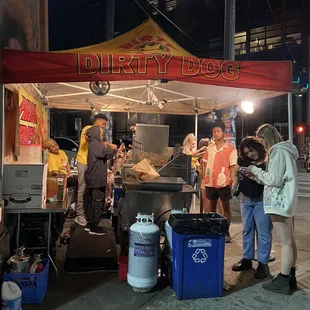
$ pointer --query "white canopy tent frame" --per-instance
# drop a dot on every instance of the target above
(186, 98)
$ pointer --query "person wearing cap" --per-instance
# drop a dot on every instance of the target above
(218, 167)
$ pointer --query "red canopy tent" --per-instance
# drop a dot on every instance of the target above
(49, 67)
(148, 72)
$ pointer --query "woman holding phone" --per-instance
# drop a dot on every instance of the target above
(280, 201)
(252, 152)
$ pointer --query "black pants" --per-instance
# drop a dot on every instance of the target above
(94, 200)
(72, 182)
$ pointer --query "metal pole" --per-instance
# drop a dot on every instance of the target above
(229, 29)
(290, 116)
(196, 125)
(242, 126)
(308, 93)
(196, 135)
(196, 120)
(109, 19)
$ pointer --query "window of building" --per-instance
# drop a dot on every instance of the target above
(257, 46)
(240, 43)
(293, 27)
(258, 34)
(272, 43)
(273, 31)
(293, 38)
(293, 32)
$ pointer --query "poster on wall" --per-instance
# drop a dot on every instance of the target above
(32, 120)
(228, 119)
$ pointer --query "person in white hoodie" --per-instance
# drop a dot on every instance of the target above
(280, 201)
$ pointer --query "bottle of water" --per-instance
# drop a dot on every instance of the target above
(72, 162)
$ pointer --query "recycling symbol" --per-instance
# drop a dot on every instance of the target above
(200, 256)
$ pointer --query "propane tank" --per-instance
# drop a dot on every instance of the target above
(168, 228)
(143, 253)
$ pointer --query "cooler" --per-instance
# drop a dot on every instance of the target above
(198, 265)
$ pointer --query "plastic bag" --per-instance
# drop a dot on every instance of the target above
(207, 223)
(145, 171)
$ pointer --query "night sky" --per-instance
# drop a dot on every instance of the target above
(77, 23)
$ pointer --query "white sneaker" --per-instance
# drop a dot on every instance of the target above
(80, 220)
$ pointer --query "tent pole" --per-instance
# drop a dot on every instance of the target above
(196, 120)
(196, 135)
(148, 91)
(290, 116)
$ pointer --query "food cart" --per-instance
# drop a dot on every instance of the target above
(166, 80)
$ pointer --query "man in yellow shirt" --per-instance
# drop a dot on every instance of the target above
(99, 120)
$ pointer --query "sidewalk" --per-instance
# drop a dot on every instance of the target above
(104, 291)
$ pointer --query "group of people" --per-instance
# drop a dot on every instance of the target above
(264, 172)
(92, 181)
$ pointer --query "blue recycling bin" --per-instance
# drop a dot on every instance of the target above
(198, 265)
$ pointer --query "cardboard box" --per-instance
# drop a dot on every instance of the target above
(56, 188)
(30, 154)
(24, 185)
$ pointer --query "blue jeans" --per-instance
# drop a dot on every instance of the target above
(193, 177)
(253, 217)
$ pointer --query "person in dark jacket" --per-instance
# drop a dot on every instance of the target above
(252, 152)
(99, 153)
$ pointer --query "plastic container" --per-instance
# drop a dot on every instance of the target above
(207, 223)
(11, 296)
(198, 265)
(122, 268)
(168, 228)
(32, 285)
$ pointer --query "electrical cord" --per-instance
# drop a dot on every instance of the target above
(84, 272)
(162, 215)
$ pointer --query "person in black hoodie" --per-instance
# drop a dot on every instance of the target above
(99, 153)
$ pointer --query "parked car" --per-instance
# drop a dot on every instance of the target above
(69, 146)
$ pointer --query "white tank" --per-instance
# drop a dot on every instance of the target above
(143, 253)
(11, 296)
(168, 228)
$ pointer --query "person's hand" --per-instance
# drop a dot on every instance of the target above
(246, 170)
(122, 147)
(112, 146)
(234, 187)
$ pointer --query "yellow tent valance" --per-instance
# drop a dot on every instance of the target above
(148, 38)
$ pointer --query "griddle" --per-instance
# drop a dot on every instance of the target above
(164, 184)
